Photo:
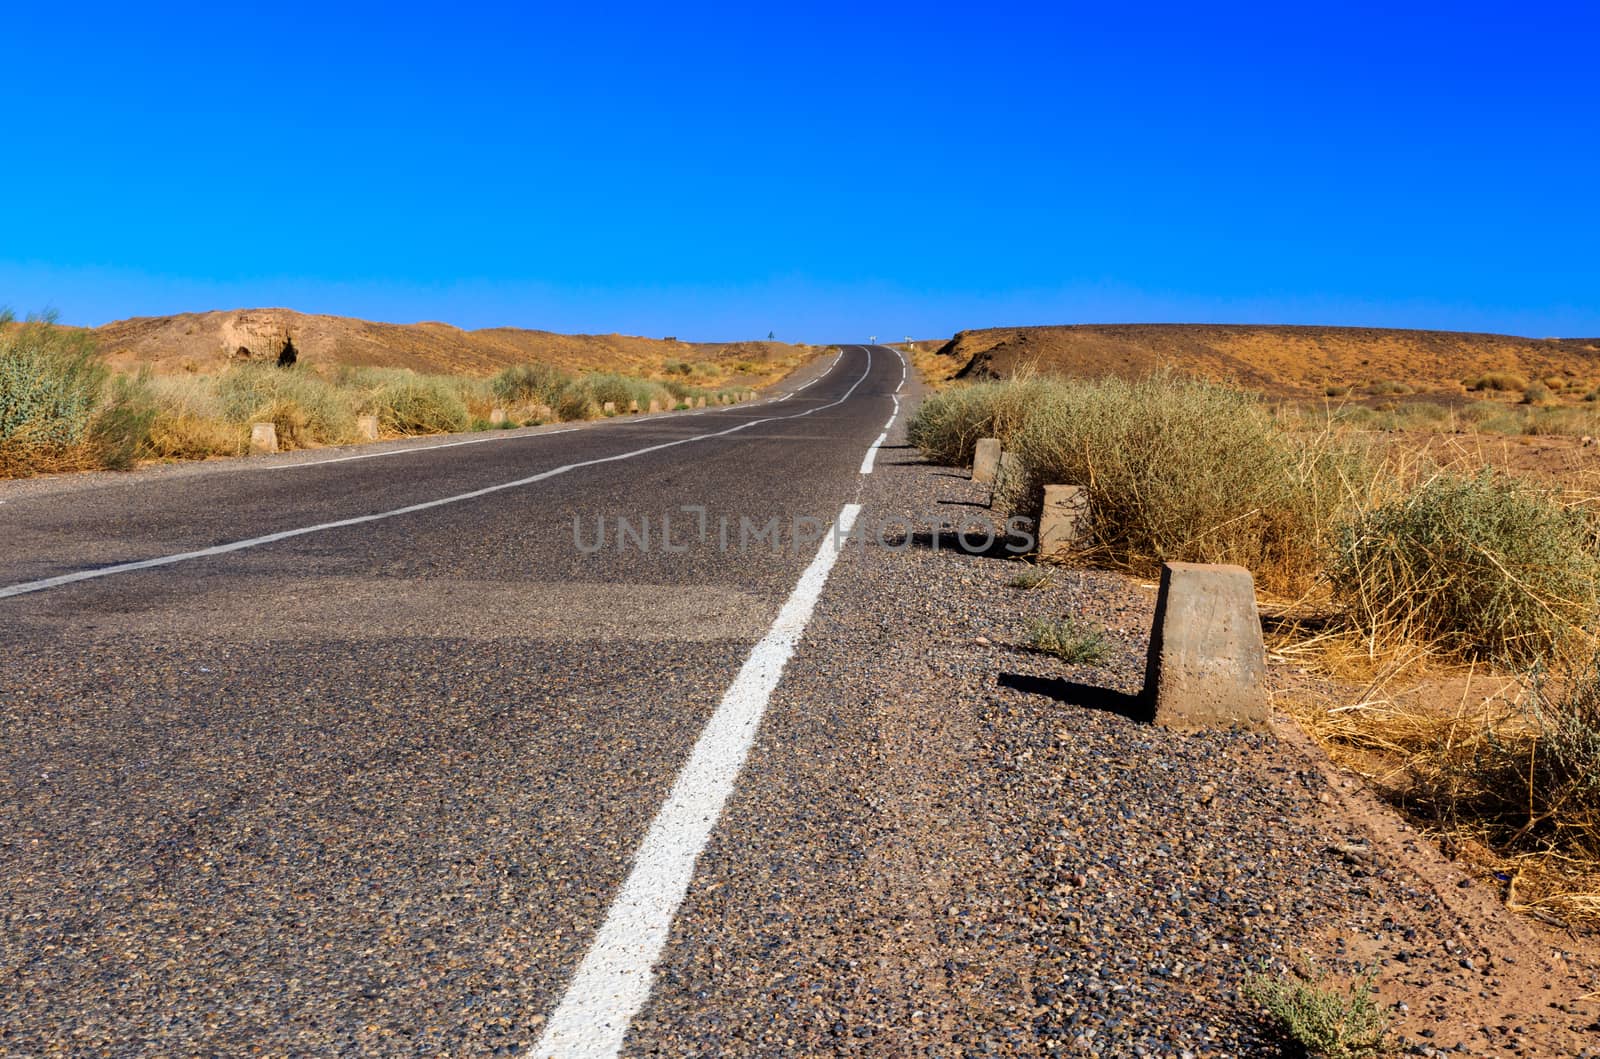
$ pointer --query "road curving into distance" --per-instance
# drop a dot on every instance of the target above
(357, 755)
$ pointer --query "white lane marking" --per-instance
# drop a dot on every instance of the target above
(270, 538)
(613, 981)
(407, 452)
(872, 453)
(813, 382)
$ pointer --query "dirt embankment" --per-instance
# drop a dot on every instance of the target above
(1281, 360)
(210, 341)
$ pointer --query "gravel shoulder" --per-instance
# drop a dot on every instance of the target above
(945, 844)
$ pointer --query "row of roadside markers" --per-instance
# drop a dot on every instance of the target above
(264, 436)
(1206, 667)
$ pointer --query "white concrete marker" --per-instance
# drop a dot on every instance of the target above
(613, 981)
(271, 538)
(872, 453)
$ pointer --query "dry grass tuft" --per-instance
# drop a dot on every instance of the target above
(1507, 771)
(1484, 567)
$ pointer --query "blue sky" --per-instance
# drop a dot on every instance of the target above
(824, 172)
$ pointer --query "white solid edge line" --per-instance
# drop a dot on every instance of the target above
(613, 981)
(270, 538)
(410, 451)
(872, 453)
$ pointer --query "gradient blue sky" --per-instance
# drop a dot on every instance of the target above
(825, 172)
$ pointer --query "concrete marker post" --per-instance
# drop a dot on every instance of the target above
(633, 406)
(609, 408)
(497, 416)
(1063, 521)
(985, 460)
(367, 428)
(1207, 665)
(263, 439)
(700, 402)
(1008, 471)
(655, 406)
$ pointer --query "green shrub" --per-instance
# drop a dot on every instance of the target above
(421, 404)
(531, 384)
(1484, 567)
(1069, 641)
(678, 389)
(621, 389)
(121, 428)
(305, 408)
(1030, 577)
(50, 383)
(1325, 1021)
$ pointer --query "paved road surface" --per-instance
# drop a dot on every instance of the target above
(374, 788)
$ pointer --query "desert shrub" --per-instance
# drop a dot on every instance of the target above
(1537, 393)
(677, 367)
(121, 427)
(1069, 641)
(186, 419)
(421, 404)
(576, 402)
(1504, 381)
(948, 424)
(1179, 469)
(531, 384)
(1487, 417)
(1387, 386)
(50, 385)
(622, 389)
(1336, 390)
(305, 408)
(1359, 417)
(1421, 415)
(679, 390)
(1324, 1020)
(1031, 577)
(1484, 567)
(1568, 421)
(191, 437)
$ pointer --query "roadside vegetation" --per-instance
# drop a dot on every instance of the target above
(62, 409)
(1178, 469)
(1323, 1020)
(1072, 642)
(1380, 568)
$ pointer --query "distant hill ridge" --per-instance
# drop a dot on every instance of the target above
(209, 341)
(1281, 359)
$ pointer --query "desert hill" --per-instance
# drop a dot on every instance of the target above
(1283, 360)
(210, 341)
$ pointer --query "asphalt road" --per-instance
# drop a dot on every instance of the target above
(373, 788)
